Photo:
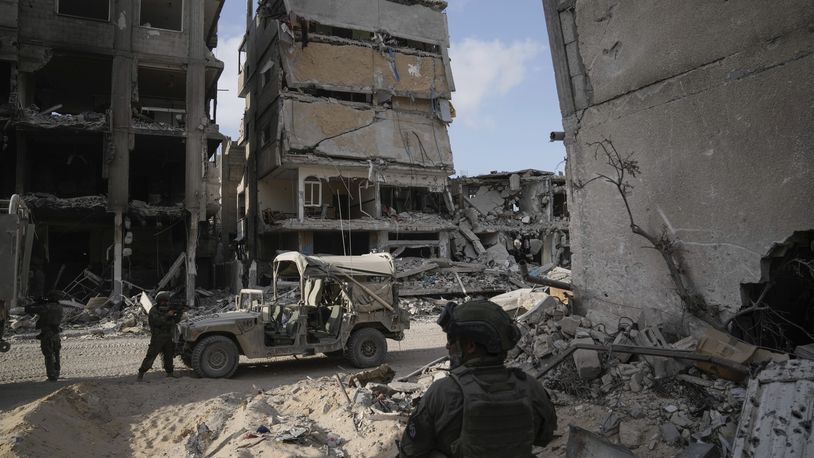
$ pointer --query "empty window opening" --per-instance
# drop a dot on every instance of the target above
(397, 200)
(90, 9)
(355, 243)
(162, 96)
(242, 63)
(157, 170)
(778, 312)
(73, 84)
(413, 244)
(560, 205)
(5, 83)
(265, 135)
(340, 95)
(241, 205)
(65, 165)
(162, 14)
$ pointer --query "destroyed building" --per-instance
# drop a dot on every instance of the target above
(709, 114)
(345, 128)
(529, 206)
(108, 117)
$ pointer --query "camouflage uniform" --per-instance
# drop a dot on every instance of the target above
(162, 326)
(483, 408)
(49, 318)
(435, 426)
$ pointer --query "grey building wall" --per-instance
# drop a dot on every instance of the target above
(715, 100)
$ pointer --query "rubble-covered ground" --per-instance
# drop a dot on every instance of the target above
(652, 406)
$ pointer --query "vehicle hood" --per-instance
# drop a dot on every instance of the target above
(217, 319)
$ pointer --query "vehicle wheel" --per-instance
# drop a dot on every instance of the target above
(215, 357)
(366, 348)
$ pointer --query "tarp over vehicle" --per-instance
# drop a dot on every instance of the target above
(373, 264)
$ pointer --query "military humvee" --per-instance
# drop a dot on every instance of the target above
(347, 305)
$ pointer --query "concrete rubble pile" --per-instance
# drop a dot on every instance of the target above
(99, 318)
(651, 402)
(358, 414)
(434, 276)
(50, 118)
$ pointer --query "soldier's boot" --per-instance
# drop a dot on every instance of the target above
(140, 377)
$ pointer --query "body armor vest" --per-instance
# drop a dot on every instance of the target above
(498, 418)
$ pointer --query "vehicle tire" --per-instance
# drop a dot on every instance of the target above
(366, 348)
(215, 357)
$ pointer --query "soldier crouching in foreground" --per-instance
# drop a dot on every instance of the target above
(162, 319)
(49, 318)
(483, 408)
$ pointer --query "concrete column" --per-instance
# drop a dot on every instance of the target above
(443, 244)
(381, 243)
(21, 172)
(249, 14)
(196, 123)
(116, 294)
(121, 111)
(377, 209)
(300, 195)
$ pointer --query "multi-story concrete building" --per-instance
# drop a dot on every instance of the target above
(715, 107)
(347, 104)
(108, 117)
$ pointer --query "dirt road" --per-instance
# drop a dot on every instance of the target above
(22, 372)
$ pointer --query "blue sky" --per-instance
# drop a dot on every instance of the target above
(506, 98)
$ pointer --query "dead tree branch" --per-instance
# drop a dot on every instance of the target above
(624, 168)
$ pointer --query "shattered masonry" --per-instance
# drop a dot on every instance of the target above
(109, 132)
(347, 150)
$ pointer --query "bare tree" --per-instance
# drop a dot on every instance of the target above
(624, 168)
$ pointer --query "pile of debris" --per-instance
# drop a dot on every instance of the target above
(361, 414)
(99, 318)
(50, 119)
(437, 277)
(659, 394)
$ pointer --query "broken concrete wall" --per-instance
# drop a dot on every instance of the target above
(415, 22)
(360, 131)
(8, 31)
(715, 105)
(39, 22)
(233, 163)
(364, 69)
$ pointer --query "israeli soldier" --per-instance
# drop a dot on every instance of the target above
(482, 408)
(162, 319)
(49, 319)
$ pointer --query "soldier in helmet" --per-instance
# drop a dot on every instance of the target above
(49, 318)
(162, 319)
(483, 408)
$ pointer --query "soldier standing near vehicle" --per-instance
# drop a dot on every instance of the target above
(483, 408)
(49, 318)
(162, 319)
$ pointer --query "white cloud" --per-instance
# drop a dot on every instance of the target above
(485, 70)
(230, 106)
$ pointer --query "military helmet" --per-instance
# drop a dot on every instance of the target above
(163, 296)
(481, 321)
